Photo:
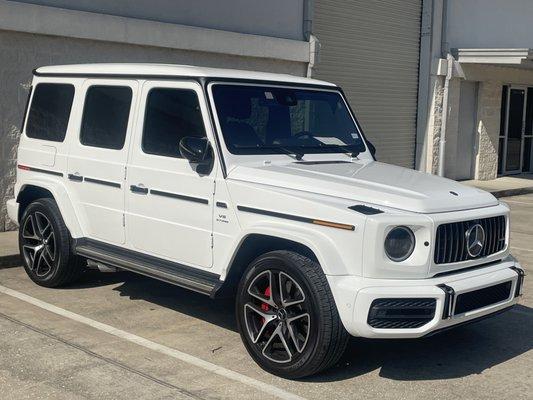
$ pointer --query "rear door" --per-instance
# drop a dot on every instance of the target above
(97, 157)
(169, 206)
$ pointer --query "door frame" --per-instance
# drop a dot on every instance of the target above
(506, 133)
(157, 189)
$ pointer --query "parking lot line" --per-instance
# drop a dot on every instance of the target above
(187, 358)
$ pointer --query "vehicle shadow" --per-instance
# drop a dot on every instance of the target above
(138, 287)
(466, 350)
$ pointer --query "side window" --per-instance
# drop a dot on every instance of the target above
(105, 116)
(50, 111)
(170, 115)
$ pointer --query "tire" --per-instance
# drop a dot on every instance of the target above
(287, 317)
(45, 245)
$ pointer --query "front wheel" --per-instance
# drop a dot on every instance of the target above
(287, 317)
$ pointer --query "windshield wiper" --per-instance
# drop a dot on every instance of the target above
(342, 148)
(298, 155)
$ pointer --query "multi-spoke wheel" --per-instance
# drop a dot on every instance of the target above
(44, 243)
(287, 317)
(276, 315)
(38, 244)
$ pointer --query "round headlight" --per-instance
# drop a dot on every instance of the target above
(399, 243)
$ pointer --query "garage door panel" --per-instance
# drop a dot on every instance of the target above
(371, 49)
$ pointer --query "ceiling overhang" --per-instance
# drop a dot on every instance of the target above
(504, 57)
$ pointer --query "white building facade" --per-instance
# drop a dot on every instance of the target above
(477, 120)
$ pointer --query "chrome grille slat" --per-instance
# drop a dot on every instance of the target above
(494, 236)
(448, 243)
(450, 239)
(456, 241)
(484, 224)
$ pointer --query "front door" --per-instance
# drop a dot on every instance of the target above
(169, 205)
(517, 132)
(515, 124)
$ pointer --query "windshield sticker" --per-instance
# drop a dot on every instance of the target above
(329, 140)
(269, 95)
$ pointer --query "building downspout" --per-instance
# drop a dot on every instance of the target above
(314, 44)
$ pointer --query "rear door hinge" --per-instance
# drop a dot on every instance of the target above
(124, 220)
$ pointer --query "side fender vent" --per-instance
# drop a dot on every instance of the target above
(366, 209)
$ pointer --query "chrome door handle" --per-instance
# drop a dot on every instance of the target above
(75, 177)
(139, 189)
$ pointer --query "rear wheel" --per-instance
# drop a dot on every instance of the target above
(44, 243)
(287, 317)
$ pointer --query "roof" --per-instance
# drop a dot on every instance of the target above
(166, 70)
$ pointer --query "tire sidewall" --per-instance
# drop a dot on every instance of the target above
(276, 260)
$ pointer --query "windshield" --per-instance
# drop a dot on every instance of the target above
(273, 120)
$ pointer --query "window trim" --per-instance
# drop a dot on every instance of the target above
(29, 103)
(334, 89)
(131, 109)
(146, 97)
(27, 108)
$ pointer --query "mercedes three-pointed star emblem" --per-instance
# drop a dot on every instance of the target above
(475, 240)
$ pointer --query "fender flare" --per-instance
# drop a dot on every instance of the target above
(60, 194)
(321, 245)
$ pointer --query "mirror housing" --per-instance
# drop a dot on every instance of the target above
(197, 150)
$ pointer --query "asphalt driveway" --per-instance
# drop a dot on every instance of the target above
(122, 336)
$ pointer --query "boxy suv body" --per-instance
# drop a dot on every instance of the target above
(256, 185)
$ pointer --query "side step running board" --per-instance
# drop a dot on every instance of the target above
(177, 274)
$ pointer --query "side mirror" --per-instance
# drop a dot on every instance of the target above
(371, 148)
(196, 150)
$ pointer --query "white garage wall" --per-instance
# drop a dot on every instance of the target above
(276, 18)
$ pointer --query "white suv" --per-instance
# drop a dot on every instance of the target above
(259, 186)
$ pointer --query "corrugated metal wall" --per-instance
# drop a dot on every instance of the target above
(371, 49)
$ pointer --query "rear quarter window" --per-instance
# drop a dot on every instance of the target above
(49, 111)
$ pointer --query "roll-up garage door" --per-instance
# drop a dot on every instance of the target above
(371, 49)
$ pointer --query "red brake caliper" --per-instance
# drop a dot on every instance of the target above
(265, 306)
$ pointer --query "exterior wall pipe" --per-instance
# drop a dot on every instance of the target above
(309, 11)
(314, 44)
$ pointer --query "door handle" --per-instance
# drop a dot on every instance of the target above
(139, 189)
(75, 177)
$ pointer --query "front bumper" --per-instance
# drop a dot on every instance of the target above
(356, 296)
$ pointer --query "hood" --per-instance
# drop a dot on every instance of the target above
(369, 182)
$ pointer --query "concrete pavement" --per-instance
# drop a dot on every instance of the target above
(9, 249)
(44, 355)
(505, 186)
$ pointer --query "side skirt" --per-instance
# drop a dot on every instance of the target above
(177, 274)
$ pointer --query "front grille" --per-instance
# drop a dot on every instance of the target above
(401, 313)
(451, 244)
(483, 297)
